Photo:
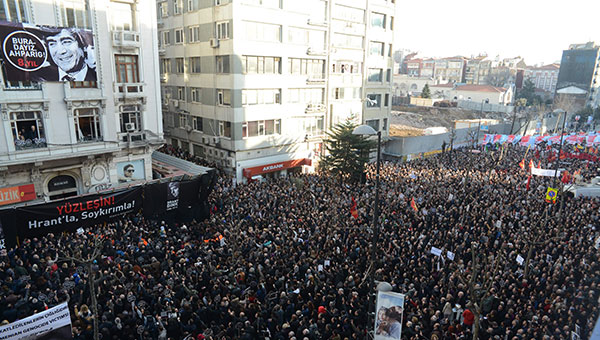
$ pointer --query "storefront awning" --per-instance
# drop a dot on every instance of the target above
(263, 169)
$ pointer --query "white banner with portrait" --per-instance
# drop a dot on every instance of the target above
(388, 316)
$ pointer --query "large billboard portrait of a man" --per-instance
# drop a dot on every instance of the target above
(41, 53)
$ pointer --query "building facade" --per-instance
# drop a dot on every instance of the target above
(579, 72)
(544, 77)
(255, 84)
(89, 131)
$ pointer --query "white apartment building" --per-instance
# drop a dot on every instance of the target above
(73, 137)
(255, 84)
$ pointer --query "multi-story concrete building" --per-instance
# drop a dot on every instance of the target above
(544, 77)
(452, 68)
(255, 84)
(61, 138)
(578, 75)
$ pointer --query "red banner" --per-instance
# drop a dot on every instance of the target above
(21, 193)
(263, 169)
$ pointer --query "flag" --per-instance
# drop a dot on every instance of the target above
(551, 195)
(413, 205)
(566, 177)
(144, 241)
(522, 164)
(528, 182)
(531, 165)
(539, 164)
(353, 210)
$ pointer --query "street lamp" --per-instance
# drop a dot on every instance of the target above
(366, 130)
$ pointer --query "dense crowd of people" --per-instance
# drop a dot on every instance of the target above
(285, 259)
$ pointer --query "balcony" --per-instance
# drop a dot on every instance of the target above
(129, 89)
(126, 39)
(21, 85)
(28, 144)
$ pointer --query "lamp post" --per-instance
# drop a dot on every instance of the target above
(366, 130)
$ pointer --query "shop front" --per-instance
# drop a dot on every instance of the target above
(276, 169)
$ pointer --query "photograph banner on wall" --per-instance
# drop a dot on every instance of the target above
(170, 196)
(388, 316)
(51, 324)
(77, 212)
(43, 53)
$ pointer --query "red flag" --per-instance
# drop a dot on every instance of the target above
(353, 210)
(566, 177)
(531, 165)
(522, 164)
(528, 182)
(413, 204)
(539, 164)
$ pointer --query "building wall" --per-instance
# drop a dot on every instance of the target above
(92, 163)
(347, 47)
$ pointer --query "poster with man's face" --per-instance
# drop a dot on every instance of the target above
(388, 317)
(131, 171)
(44, 53)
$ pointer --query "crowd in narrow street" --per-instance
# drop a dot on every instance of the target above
(285, 259)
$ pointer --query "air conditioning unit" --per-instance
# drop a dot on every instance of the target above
(205, 140)
(188, 128)
(214, 42)
(130, 127)
(216, 140)
(230, 162)
(175, 103)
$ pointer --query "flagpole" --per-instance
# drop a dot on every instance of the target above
(562, 131)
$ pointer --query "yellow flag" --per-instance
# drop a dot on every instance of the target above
(551, 195)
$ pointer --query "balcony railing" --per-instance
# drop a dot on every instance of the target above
(126, 38)
(130, 89)
(21, 85)
(26, 144)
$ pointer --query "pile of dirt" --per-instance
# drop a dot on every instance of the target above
(425, 117)
(398, 130)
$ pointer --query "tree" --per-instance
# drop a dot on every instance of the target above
(499, 78)
(346, 153)
(528, 93)
(426, 93)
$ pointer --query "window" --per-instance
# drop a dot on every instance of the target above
(192, 5)
(386, 102)
(376, 48)
(179, 36)
(28, 129)
(127, 68)
(83, 84)
(261, 96)
(373, 100)
(261, 128)
(130, 114)
(179, 65)
(346, 93)
(165, 66)
(378, 20)
(224, 97)
(348, 41)
(349, 14)
(177, 7)
(374, 123)
(256, 31)
(385, 123)
(13, 10)
(306, 96)
(163, 9)
(225, 129)
(375, 75)
(313, 126)
(223, 64)
(264, 3)
(87, 125)
(391, 23)
(196, 94)
(390, 50)
(219, 2)
(180, 93)
(183, 120)
(346, 67)
(194, 64)
(122, 16)
(193, 34)
(75, 13)
(166, 38)
(261, 65)
(197, 123)
(388, 75)
(222, 30)
(314, 68)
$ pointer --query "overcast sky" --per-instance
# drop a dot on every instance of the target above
(537, 30)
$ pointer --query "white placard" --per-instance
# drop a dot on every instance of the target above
(54, 323)
(327, 263)
(388, 320)
(520, 259)
(80, 231)
(320, 267)
(450, 255)
(436, 251)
